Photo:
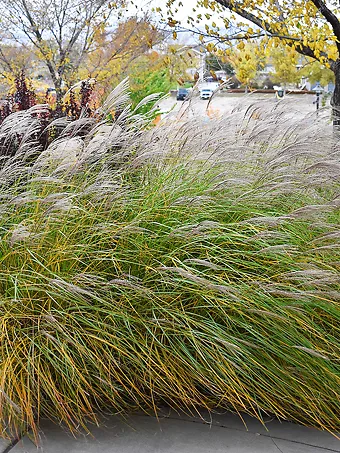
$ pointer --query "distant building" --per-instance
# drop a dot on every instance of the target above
(222, 75)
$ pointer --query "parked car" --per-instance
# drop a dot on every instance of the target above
(206, 93)
(182, 94)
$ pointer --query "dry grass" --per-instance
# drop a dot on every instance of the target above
(196, 266)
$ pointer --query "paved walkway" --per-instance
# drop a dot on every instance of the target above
(174, 433)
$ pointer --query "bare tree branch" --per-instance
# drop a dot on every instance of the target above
(59, 29)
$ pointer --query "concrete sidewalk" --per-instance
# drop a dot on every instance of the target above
(173, 433)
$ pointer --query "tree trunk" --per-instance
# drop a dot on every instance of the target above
(59, 97)
(59, 94)
(335, 102)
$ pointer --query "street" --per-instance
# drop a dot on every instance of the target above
(296, 105)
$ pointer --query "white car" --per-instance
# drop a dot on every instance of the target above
(206, 93)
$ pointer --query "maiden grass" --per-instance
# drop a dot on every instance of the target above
(126, 287)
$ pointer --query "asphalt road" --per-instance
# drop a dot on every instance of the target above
(297, 106)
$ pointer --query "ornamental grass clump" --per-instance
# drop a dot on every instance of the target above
(194, 265)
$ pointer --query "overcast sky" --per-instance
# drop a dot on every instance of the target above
(184, 10)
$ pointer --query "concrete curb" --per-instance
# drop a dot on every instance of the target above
(179, 433)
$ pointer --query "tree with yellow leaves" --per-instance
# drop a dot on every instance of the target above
(13, 60)
(309, 27)
(117, 49)
(247, 61)
(60, 31)
(285, 62)
(317, 72)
